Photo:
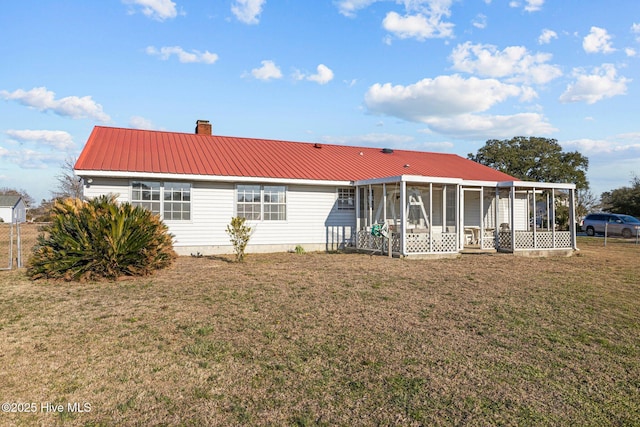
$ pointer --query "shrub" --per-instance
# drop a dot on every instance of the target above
(239, 236)
(100, 239)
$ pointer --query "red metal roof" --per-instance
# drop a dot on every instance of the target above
(132, 150)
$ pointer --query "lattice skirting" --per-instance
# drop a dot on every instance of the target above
(543, 240)
(416, 242)
(377, 243)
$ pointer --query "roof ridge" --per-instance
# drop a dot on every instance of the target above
(251, 138)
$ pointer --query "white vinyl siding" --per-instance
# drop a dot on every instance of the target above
(311, 217)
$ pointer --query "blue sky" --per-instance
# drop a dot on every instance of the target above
(433, 75)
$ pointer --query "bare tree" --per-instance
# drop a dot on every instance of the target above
(69, 184)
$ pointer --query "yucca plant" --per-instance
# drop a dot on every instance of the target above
(100, 238)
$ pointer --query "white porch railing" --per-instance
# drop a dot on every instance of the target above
(416, 243)
(542, 240)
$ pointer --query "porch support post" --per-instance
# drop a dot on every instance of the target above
(496, 230)
(553, 211)
(481, 218)
(357, 216)
(535, 220)
(512, 219)
(572, 219)
(431, 217)
(384, 214)
(403, 217)
(370, 215)
(459, 215)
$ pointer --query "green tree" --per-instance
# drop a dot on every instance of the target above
(624, 200)
(534, 159)
(239, 235)
(100, 239)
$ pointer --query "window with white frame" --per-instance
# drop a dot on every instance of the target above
(248, 202)
(255, 202)
(146, 194)
(275, 203)
(177, 201)
(346, 199)
(171, 200)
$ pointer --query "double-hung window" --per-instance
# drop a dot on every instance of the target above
(248, 202)
(256, 202)
(147, 195)
(170, 200)
(346, 199)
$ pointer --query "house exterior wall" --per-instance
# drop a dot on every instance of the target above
(5, 213)
(14, 214)
(313, 219)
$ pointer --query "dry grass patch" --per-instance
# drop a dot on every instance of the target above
(333, 339)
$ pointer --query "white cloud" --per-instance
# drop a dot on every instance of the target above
(480, 21)
(630, 52)
(138, 122)
(370, 139)
(268, 71)
(635, 29)
(534, 5)
(248, 11)
(58, 139)
(70, 106)
(602, 83)
(350, 7)
(449, 105)
(422, 19)
(418, 26)
(597, 41)
(513, 62)
(444, 95)
(546, 36)
(530, 5)
(194, 56)
(323, 75)
(604, 146)
(155, 9)
(491, 126)
(32, 159)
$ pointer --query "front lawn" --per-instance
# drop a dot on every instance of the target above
(332, 339)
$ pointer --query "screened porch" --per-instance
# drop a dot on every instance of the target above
(417, 215)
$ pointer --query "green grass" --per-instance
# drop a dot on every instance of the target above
(326, 339)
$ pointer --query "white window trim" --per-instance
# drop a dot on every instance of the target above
(262, 203)
(162, 201)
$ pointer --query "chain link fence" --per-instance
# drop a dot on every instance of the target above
(16, 243)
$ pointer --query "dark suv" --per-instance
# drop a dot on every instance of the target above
(623, 225)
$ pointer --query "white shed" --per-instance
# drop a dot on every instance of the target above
(12, 209)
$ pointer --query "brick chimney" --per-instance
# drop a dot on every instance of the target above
(203, 127)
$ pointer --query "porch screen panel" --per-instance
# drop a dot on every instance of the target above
(471, 208)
